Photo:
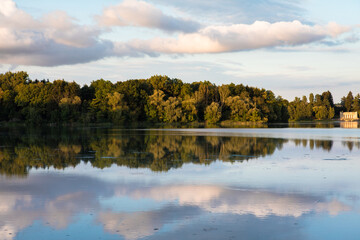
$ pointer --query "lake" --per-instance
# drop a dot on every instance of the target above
(247, 183)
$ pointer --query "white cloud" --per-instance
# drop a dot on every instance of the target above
(238, 37)
(57, 26)
(61, 28)
(7, 7)
(31, 48)
(13, 17)
(55, 39)
(143, 14)
(58, 39)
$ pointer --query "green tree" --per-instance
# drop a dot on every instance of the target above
(300, 109)
(321, 112)
(318, 100)
(189, 110)
(99, 105)
(311, 98)
(136, 93)
(239, 108)
(118, 108)
(327, 99)
(331, 113)
(254, 115)
(155, 106)
(356, 104)
(70, 108)
(213, 113)
(348, 102)
(224, 93)
(205, 94)
(172, 110)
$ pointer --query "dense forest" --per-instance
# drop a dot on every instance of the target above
(159, 99)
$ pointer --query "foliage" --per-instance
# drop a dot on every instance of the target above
(239, 108)
(155, 107)
(189, 110)
(213, 113)
(319, 107)
(172, 110)
(158, 99)
(348, 101)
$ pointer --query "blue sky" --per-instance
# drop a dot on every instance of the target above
(290, 47)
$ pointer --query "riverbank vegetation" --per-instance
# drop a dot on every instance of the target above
(159, 99)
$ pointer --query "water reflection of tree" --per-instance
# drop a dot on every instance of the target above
(351, 144)
(159, 151)
(315, 143)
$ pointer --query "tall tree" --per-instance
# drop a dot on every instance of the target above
(155, 106)
(213, 113)
(348, 101)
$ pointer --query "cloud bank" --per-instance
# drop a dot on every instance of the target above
(58, 39)
(239, 37)
(55, 39)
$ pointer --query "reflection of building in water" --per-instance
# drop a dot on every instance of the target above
(349, 124)
(348, 116)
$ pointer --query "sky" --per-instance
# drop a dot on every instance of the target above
(290, 47)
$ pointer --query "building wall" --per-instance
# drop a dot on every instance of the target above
(349, 116)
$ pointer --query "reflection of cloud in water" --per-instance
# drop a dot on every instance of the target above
(7, 232)
(141, 224)
(57, 213)
(183, 194)
(333, 208)
(253, 209)
(55, 201)
(47, 198)
(8, 202)
(221, 200)
(12, 217)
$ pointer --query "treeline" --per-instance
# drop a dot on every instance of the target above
(158, 99)
(322, 106)
(318, 107)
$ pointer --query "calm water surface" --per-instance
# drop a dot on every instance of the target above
(108, 183)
